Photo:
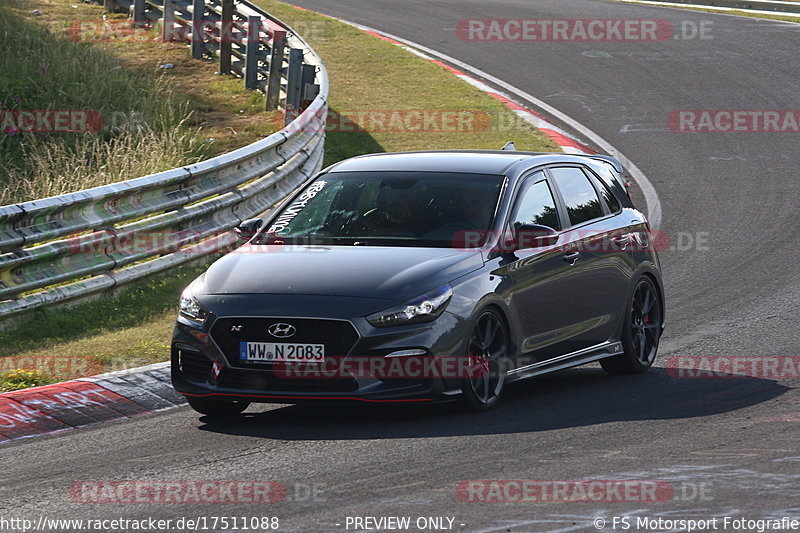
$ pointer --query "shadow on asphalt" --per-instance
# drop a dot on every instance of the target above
(572, 398)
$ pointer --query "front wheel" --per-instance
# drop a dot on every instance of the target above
(641, 332)
(216, 408)
(488, 356)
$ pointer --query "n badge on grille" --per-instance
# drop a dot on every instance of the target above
(216, 368)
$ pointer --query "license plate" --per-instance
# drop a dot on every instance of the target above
(281, 351)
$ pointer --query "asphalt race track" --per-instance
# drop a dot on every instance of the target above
(723, 447)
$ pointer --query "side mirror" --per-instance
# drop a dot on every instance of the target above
(248, 228)
(530, 236)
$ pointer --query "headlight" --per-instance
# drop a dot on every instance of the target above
(423, 308)
(190, 307)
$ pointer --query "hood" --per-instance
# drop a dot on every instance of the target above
(387, 273)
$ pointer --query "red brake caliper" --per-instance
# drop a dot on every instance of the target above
(479, 365)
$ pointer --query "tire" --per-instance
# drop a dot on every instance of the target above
(216, 408)
(488, 354)
(641, 331)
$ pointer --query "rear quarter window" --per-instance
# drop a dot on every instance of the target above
(580, 197)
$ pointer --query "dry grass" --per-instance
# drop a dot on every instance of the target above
(52, 168)
(153, 118)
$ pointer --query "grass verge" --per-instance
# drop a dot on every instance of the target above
(367, 74)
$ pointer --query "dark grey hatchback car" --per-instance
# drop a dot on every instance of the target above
(425, 276)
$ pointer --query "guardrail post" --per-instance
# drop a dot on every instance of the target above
(198, 32)
(251, 52)
(226, 37)
(168, 21)
(139, 19)
(275, 66)
(293, 83)
(309, 94)
(309, 72)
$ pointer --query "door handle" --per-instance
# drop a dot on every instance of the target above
(571, 257)
(636, 240)
(622, 241)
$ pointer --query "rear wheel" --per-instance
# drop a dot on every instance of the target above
(216, 408)
(641, 332)
(488, 356)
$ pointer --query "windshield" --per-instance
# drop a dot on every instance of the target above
(438, 209)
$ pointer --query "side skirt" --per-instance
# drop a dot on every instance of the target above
(580, 357)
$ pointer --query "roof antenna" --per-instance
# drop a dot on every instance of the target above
(509, 146)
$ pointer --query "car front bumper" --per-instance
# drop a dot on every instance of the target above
(204, 362)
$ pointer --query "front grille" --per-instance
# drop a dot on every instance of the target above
(338, 336)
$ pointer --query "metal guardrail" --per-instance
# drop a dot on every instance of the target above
(762, 5)
(75, 245)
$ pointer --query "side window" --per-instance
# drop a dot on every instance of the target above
(608, 196)
(611, 200)
(579, 195)
(536, 206)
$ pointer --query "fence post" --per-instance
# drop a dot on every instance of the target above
(275, 66)
(251, 52)
(226, 37)
(139, 21)
(293, 83)
(198, 32)
(168, 21)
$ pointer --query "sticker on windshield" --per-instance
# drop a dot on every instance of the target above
(293, 210)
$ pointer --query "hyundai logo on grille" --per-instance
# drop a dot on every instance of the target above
(281, 330)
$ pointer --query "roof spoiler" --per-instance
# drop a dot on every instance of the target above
(608, 159)
(614, 162)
